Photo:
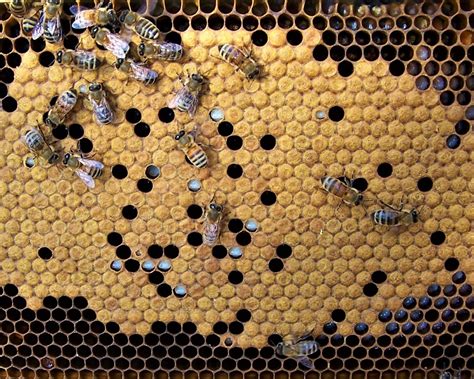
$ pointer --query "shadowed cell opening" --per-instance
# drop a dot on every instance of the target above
(250, 23)
(173, 37)
(156, 277)
(144, 185)
(234, 171)
(294, 37)
(46, 59)
(396, 68)
(337, 53)
(198, 22)
(14, 60)
(38, 45)
(338, 315)
(451, 264)
(234, 142)
(379, 277)
(194, 211)
(268, 198)
(141, 129)
(284, 251)
(129, 212)
(181, 23)
(320, 53)
(268, 142)
(370, 289)
(45, 253)
(164, 290)
(345, 68)
(114, 238)
(60, 132)
(9, 104)
(171, 251)
(164, 24)
(235, 225)
(119, 171)
(243, 238)
(133, 115)
(384, 170)
(76, 131)
(155, 251)
(84, 145)
(219, 251)
(194, 239)
(275, 265)
(259, 38)
(132, 265)
(236, 277)
(71, 42)
(225, 128)
(336, 113)
(166, 115)
(123, 252)
(216, 22)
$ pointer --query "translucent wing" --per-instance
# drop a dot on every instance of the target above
(175, 100)
(143, 73)
(116, 45)
(54, 28)
(86, 178)
(38, 29)
(305, 361)
(91, 163)
(193, 106)
(84, 55)
(75, 9)
(84, 19)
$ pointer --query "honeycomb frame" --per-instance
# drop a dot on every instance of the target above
(400, 75)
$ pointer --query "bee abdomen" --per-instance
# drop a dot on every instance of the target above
(211, 232)
(147, 29)
(34, 140)
(198, 158)
(94, 172)
(383, 217)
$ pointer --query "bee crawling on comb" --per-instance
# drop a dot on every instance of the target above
(187, 97)
(299, 349)
(391, 216)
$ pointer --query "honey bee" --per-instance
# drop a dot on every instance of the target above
(166, 51)
(299, 349)
(115, 44)
(241, 59)
(29, 23)
(49, 23)
(35, 141)
(97, 98)
(137, 71)
(64, 104)
(20, 8)
(102, 16)
(86, 169)
(342, 189)
(192, 150)
(81, 59)
(140, 25)
(212, 220)
(187, 97)
(395, 217)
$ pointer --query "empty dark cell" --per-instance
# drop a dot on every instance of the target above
(142, 129)
(267, 142)
(268, 22)
(250, 23)
(14, 60)
(384, 170)
(329, 38)
(235, 225)
(181, 23)
(234, 142)
(425, 184)
(46, 59)
(194, 211)
(216, 22)
(451, 264)
(370, 289)
(234, 171)
(132, 265)
(403, 22)
(284, 251)
(123, 252)
(360, 184)
(320, 53)
(301, 22)
(164, 24)
(152, 172)
(431, 315)
(164, 290)
(85, 145)
(413, 38)
(21, 45)
(144, 185)
(405, 53)
(414, 68)
(6, 46)
(463, 315)
(464, 98)
(45, 253)
(119, 171)
(198, 22)
(320, 22)
(336, 53)
(379, 38)
(38, 45)
(354, 53)
(345, 68)
(268, 198)
(61, 132)
(285, 21)
(397, 68)
(225, 128)
(440, 53)
(437, 238)
(171, 251)
(388, 53)
(336, 23)
(338, 315)
(243, 238)
(379, 276)
(71, 42)
(114, 238)
(219, 251)
(9, 104)
(236, 327)
(133, 115)
(194, 239)
(397, 37)
(129, 212)
(275, 265)
(232, 22)
(3, 90)
(294, 37)
(336, 113)
(76, 131)
(235, 277)
(243, 315)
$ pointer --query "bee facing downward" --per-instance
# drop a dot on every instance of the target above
(35, 141)
(187, 97)
(64, 104)
(98, 100)
(241, 59)
(191, 149)
(343, 189)
(299, 349)
(86, 169)
(212, 220)
(395, 217)
(49, 23)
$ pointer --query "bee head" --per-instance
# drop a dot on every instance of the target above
(66, 158)
(95, 87)
(415, 215)
(54, 158)
(94, 31)
(119, 62)
(59, 56)
(49, 122)
(255, 73)
(359, 199)
(141, 49)
(197, 78)
(123, 15)
(180, 135)
(215, 207)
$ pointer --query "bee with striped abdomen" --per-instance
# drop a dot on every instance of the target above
(165, 51)
(241, 59)
(115, 44)
(29, 23)
(97, 98)
(20, 8)
(212, 221)
(81, 59)
(35, 141)
(187, 97)
(64, 104)
(139, 24)
(49, 23)
(395, 217)
(192, 150)
(137, 71)
(102, 16)
(343, 189)
(299, 349)
(86, 169)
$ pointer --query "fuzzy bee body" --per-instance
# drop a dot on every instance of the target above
(137, 71)
(140, 25)
(166, 51)
(299, 350)
(20, 8)
(81, 59)
(187, 97)
(36, 143)
(191, 149)
(392, 217)
(49, 23)
(97, 98)
(86, 169)
(213, 217)
(115, 44)
(102, 16)
(64, 104)
(342, 190)
(29, 23)
(241, 60)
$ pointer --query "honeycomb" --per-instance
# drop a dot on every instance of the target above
(115, 281)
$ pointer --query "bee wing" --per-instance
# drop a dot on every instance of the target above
(38, 29)
(75, 9)
(86, 178)
(118, 46)
(305, 361)
(83, 19)
(174, 101)
(141, 72)
(54, 27)
(91, 163)
(193, 107)
(85, 55)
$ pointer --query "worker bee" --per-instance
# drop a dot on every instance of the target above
(299, 349)
(191, 149)
(35, 141)
(49, 23)
(137, 71)
(81, 59)
(86, 169)
(187, 97)
(102, 16)
(395, 217)
(342, 189)
(139, 24)
(115, 44)
(97, 98)
(241, 59)
(64, 104)
(212, 220)
(166, 51)
(20, 8)
(29, 23)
